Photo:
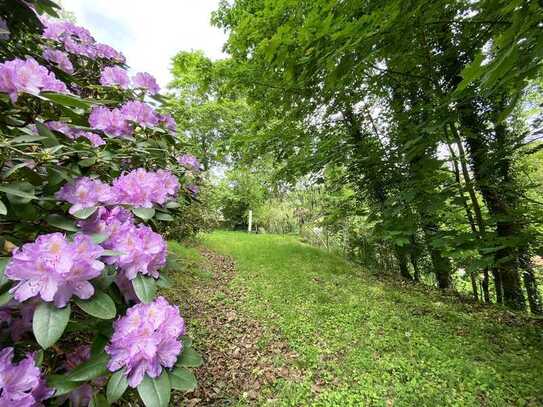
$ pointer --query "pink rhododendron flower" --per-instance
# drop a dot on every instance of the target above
(189, 161)
(84, 192)
(21, 383)
(114, 76)
(143, 251)
(27, 76)
(168, 121)
(146, 340)
(140, 113)
(60, 58)
(111, 121)
(140, 188)
(193, 189)
(94, 138)
(107, 52)
(106, 221)
(146, 81)
(55, 269)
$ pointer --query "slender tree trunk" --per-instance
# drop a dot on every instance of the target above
(484, 286)
(530, 283)
(474, 286)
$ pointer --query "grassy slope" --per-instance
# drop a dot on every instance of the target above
(363, 341)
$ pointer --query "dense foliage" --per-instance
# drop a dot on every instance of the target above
(89, 170)
(427, 110)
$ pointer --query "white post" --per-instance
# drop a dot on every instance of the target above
(250, 221)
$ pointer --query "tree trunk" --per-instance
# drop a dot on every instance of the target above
(486, 293)
(530, 283)
(474, 286)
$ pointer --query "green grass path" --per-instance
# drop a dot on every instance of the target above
(365, 341)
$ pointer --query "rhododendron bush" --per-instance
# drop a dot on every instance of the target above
(89, 171)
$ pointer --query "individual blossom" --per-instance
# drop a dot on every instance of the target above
(84, 192)
(107, 221)
(27, 76)
(21, 384)
(126, 288)
(189, 161)
(107, 52)
(146, 81)
(143, 251)
(55, 269)
(193, 189)
(140, 113)
(93, 138)
(114, 76)
(146, 340)
(112, 121)
(60, 59)
(61, 127)
(168, 121)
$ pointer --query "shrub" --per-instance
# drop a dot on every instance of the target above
(88, 169)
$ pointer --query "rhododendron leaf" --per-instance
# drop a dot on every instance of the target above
(3, 263)
(164, 217)
(144, 213)
(190, 358)
(3, 209)
(68, 100)
(61, 222)
(5, 298)
(116, 386)
(164, 282)
(98, 400)
(26, 138)
(49, 138)
(187, 342)
(155, 392)
(145, 288)
(49, 323)
(99, 238)
(38, 357)
(85, 212)
(172, 205)
(111, 253)
(87, 162)
(61, 384)
(100, 306)
(94, 367)
(22, 190)
(99, 344)
(182, 379)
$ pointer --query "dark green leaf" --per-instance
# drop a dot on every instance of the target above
(95, 367)
(190, 358)
(68, 100)
(144, 213)
(61, 384)
(145, 288)
(164, 217)
(155, 392)
(3, 263)
(182, 379)
(3, 209)
(100, 306)
(60, 222)
(98, 400)
(116, 386)
(85, 212)
(49, 323)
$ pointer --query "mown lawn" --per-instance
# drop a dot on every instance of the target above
(363, 340)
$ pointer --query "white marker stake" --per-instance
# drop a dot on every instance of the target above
(250, 221)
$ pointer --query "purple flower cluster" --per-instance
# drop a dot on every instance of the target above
(146, 340)
(111, 121)
(114, 76)
(146, 81)
(60, 59)
(18, 318)
(119, 121)
(27, 76)
(21, 383)
(55, 269)
(190, 162)
(78, 40)
(74, 133)
(84, 192)
(141, 188)
(143, 251)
